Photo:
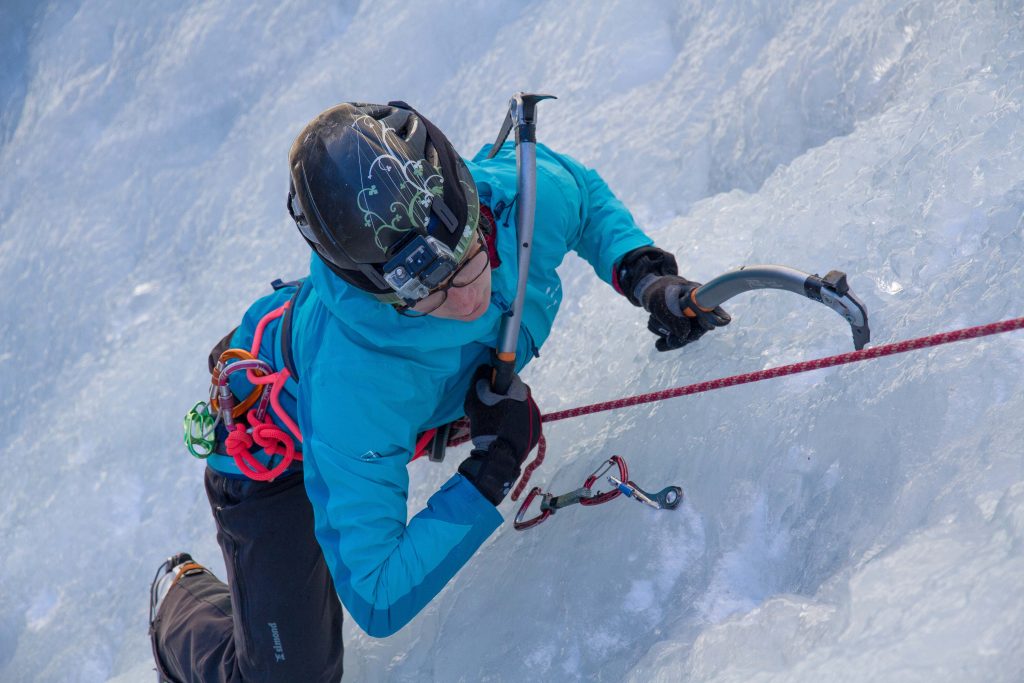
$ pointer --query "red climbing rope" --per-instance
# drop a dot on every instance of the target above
(794, 368)
(542, 448)
(266, 435)
(747, 378)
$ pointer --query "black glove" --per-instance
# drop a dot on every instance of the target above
(648, 277)
(504, 429)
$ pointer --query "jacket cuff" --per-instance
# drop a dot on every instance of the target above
(636, 267)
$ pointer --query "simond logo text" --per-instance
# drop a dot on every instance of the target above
(278, 648)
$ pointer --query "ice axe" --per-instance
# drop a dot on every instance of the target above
(831, 290)
(522, 114)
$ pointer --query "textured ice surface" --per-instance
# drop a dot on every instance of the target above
(859, 523)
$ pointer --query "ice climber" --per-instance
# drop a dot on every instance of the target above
(413, 267)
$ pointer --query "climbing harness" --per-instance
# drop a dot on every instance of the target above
(247, 422)
(666, 499)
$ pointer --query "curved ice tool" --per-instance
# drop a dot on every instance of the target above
(831, 290)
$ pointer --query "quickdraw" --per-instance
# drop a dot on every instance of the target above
(247, 421)
(666, 499)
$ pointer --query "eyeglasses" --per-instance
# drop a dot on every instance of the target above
(466, 274)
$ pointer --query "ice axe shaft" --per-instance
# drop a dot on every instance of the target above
(831, 290)
(522, 115)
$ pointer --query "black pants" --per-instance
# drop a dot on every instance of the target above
(278, 618)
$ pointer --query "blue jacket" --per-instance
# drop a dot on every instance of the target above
(371, 380)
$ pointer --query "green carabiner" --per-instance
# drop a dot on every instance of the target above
(200, 430)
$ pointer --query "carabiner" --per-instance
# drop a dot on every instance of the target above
(238, 408)
(598, 498)
(519, 523)
(225, 401)
(200, 430)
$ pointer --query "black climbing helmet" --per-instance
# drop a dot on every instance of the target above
(367, 180)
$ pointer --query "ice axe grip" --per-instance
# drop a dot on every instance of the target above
(504, 371)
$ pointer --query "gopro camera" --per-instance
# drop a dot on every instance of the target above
(420, 266)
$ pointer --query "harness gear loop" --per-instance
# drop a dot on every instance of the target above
(258, 429)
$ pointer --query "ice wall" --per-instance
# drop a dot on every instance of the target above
(860, 523)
